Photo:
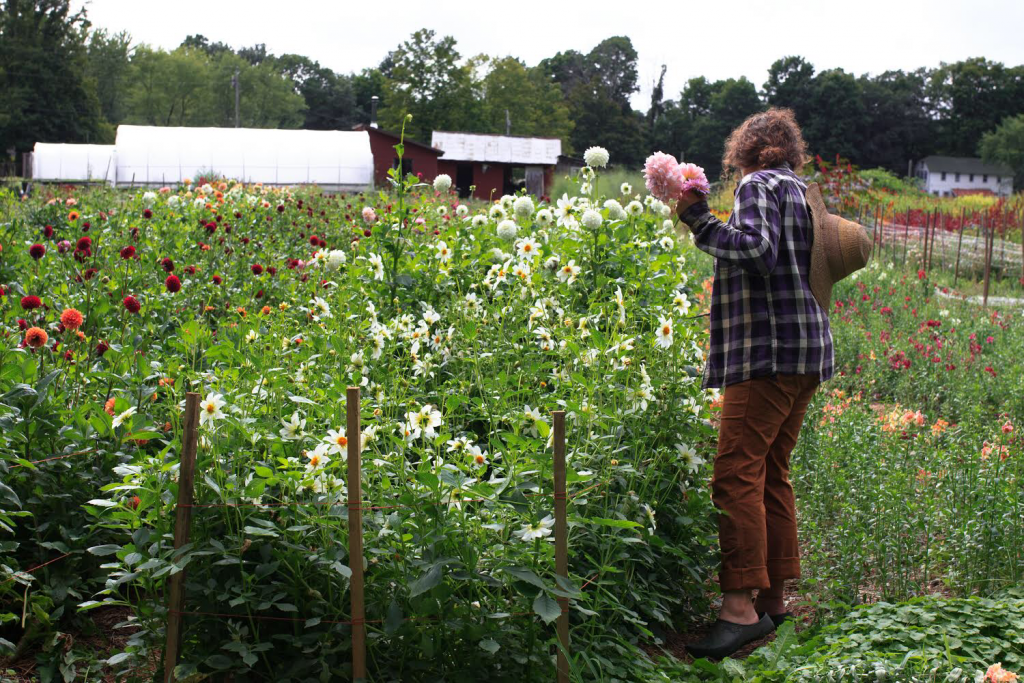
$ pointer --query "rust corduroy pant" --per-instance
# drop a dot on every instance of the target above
(761, 421)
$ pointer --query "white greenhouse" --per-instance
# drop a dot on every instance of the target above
(335, 160)
(58, 162)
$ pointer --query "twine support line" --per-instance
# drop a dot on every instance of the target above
(56, 457)
(36, 568)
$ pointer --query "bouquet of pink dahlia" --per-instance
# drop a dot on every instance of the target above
(667, 179)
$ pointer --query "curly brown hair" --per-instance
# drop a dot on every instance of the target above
(766, 140)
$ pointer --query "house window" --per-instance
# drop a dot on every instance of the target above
(406, 166)
(999, 179)
(957, 178)
(943, 175)
(984, 178)
(971, 178)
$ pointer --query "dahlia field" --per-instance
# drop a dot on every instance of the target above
(463, 324)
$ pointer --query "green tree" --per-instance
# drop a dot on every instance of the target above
(108, 66)
(329, 97)
(169, 88)
(47, 93)
(897, 126)
(695, 127)
(424, 78)
(971, 97)
(597, 88)
(534, 105)
(1005, 145)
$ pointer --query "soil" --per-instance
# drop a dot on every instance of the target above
(101, 638)
(675, 643)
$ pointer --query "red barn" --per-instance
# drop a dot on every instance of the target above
(497, 164)
(418, 157)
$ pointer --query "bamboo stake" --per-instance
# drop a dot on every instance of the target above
(1021, 219)
(182, 531)
(355, 535)
(561, 542)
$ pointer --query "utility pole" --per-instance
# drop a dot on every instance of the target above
(235, 83)
(508, 123)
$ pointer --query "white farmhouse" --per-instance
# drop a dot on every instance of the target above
(954, 176)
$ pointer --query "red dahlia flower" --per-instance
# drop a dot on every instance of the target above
(31, 302)
(84, 243)
(172, 283)
(102, 348)
(132, 304)
(256, 269)
(128, 252)
(146, 213)
(48, 231)
(71, 318)
(37, 251)
(168, 265)
(216, 279)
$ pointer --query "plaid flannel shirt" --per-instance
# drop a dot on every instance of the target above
(764, 319)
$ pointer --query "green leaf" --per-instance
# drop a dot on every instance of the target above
(489, 645)
(525, 575)
(546, 607)
(218, 661)
(102, 550)
(257, 531)
(426, 581)
(393, 620)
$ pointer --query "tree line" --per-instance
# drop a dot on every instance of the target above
(66, 81)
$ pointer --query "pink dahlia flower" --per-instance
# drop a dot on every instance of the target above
(663, 176)
(694, 178)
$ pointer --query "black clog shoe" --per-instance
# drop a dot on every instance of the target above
(727, 637)
(779, 619)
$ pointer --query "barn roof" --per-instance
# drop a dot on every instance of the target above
(499, 149)
(939, 164)
(396, 136)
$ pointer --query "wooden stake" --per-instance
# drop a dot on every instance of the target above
(988, 261)
(879, 226)
(959, 244)
(927, 241)
(182, 531)
(355, 534)
(1022, 249)
(561, 542)
(906, 234)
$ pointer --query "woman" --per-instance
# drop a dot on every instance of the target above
(770, 348)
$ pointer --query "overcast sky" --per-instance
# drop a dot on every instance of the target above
(713, 38)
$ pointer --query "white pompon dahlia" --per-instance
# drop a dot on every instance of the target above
(507, 230)
(335, 259)
(592, 219)
(596, 157)
(443, 182)
(544, 217)
(523, 206)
